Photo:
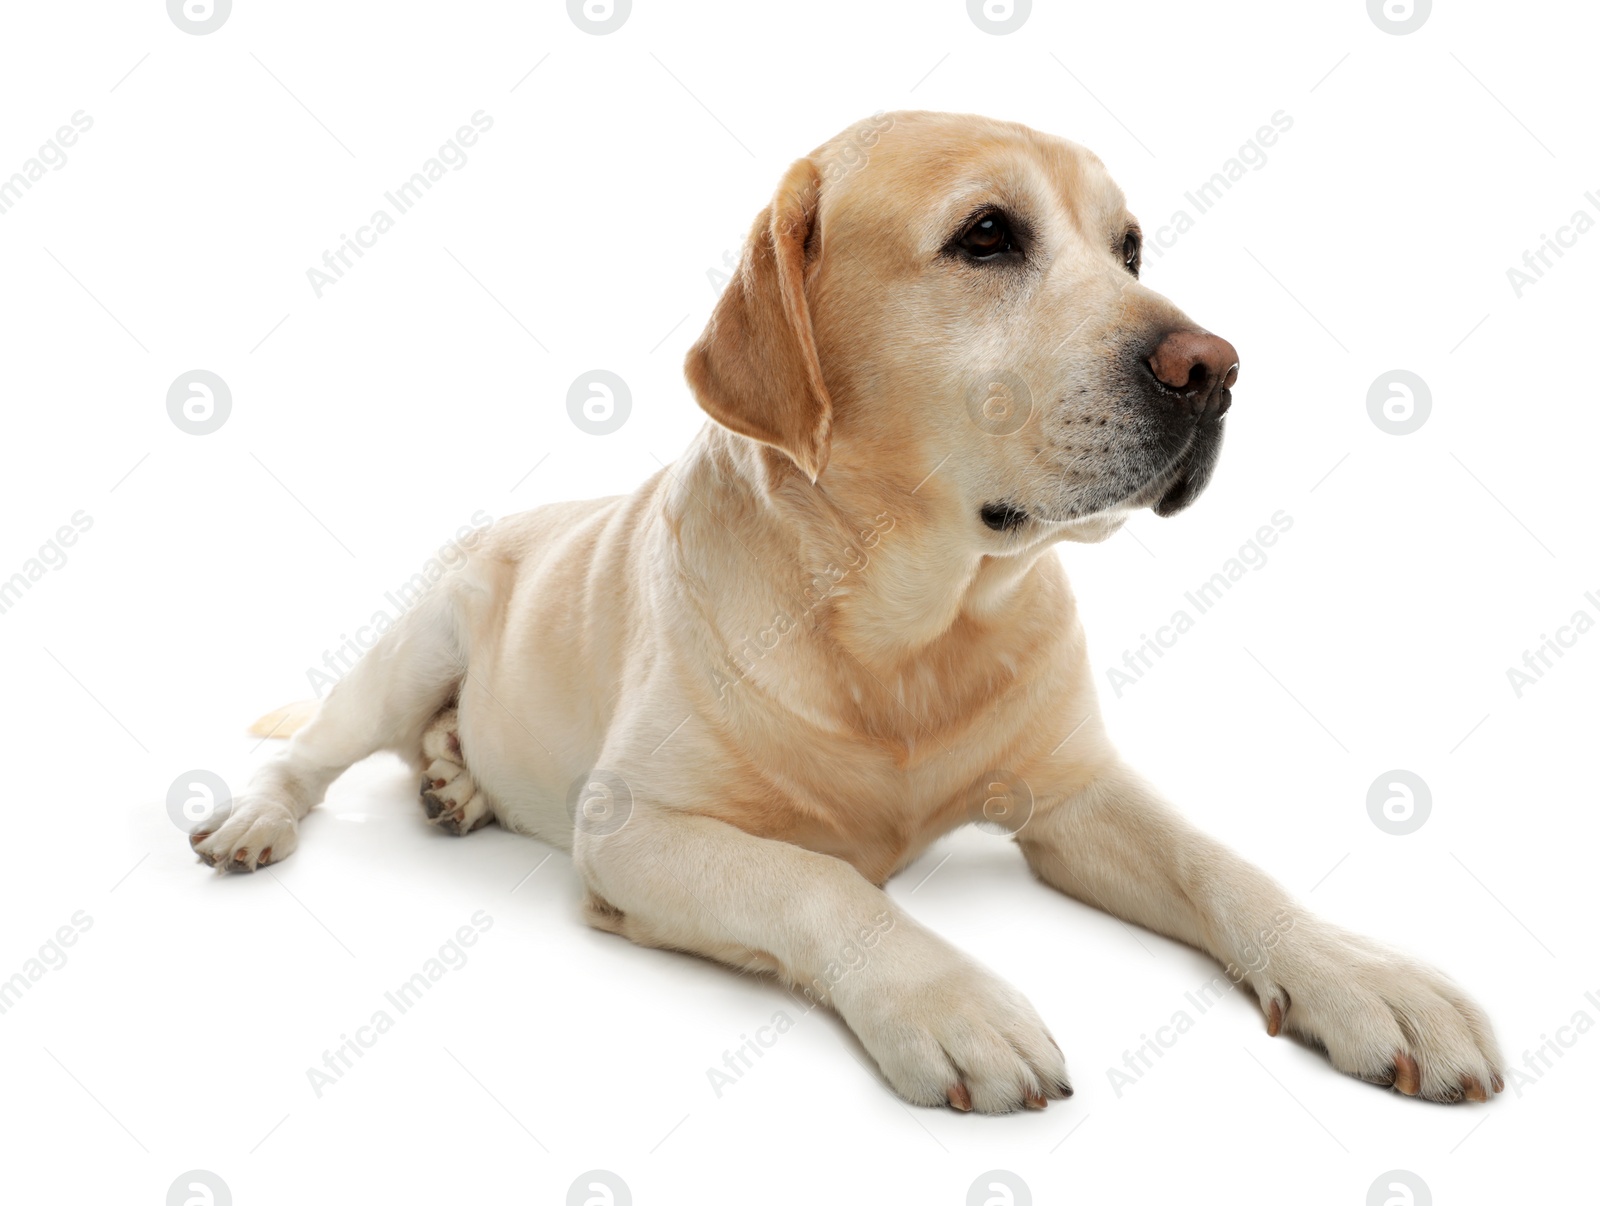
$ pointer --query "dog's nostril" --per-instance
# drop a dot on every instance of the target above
(1198, 380)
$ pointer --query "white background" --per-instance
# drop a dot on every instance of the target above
(430, 383)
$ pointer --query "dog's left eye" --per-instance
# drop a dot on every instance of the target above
(1130, 252)
(989, 236)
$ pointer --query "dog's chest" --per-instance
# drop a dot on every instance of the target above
(877, 787)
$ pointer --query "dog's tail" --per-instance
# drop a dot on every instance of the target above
(284, 721)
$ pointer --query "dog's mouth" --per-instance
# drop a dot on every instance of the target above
(1002, 516)
(1183, 481)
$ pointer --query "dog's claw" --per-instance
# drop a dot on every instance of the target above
(1034, 1101)
(431, 804)
(960, 1098)
(1497, 1083)
(1407, 1076)
(1274, 1019)
(1472, 1090)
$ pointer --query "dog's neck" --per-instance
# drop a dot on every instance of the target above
(890, 567)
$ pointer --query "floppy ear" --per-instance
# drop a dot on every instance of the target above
(754, 369)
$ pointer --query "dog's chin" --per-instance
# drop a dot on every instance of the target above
(1185, 481)
(1092, 519)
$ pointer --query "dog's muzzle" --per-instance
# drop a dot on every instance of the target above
(1196, 371)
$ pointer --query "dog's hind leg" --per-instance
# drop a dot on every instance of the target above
(387, 702)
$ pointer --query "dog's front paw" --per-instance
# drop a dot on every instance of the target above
(960, 1036)
(1380, 1015)
(257, 831)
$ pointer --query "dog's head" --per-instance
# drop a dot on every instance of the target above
(949, 296)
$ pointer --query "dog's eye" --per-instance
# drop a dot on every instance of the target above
(988, 237)
(1130, 252)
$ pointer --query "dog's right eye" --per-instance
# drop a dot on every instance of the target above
(988, 236)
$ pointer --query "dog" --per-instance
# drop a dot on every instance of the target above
(747, 694)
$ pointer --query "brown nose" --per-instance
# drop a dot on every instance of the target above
(1201, 366)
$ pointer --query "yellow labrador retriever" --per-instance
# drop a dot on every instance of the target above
(747, 694)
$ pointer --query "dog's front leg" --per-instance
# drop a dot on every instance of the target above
(941, 1027)
(1381, 1015)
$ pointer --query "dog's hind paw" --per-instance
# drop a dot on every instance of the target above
(450, 795)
